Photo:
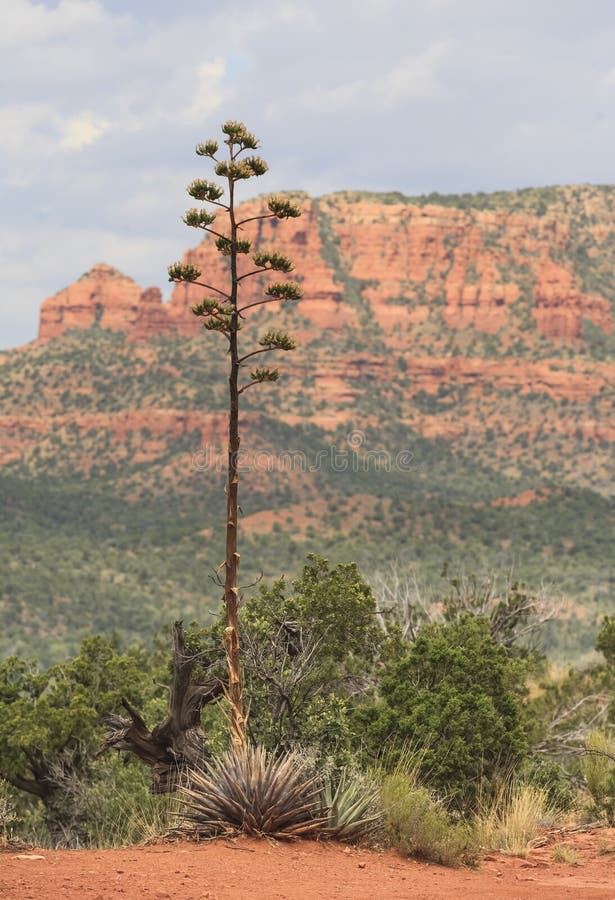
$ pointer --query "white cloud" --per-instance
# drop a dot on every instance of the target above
(37, 130)
(23, 127)
(27, 23)
(607, 82)
(412, 78)
(83, 72)
(297, 14)
(207, 91)
(83, 130)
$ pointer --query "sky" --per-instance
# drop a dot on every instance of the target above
(103, 101)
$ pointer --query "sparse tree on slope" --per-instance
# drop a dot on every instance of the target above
(224, 311)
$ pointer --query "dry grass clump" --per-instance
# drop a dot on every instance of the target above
(603, 847)
(147, 820)
(514, 818)
(564, 854)
(7, 816)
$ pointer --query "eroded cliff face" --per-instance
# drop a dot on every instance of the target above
(560, 306)
(105, 297)
(323, 306)
(497, 272)
(469, 320)
(485, 269)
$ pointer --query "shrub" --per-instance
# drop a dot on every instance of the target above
(50, 729)
(121, 810)
(304, 650)
(551, 778)
(599, 771)
(111, 806)
(416, 824)
(458, 695)
(605, 642)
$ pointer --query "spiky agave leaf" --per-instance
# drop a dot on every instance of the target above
(252, 791)
(352, 807)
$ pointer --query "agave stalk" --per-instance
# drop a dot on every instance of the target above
(225, 313)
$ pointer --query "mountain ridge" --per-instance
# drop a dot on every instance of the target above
(460, 245)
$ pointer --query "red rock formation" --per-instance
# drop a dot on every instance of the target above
(152, 316)
(560, 307)
(476, 262)
(103, 295)
(493, 270)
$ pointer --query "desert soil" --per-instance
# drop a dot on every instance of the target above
(245, 868)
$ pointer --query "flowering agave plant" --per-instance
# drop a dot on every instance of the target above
(224, 313)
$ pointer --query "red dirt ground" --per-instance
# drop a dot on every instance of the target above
(232, 870)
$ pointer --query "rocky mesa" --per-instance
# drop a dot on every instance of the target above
(479, 319)
(501, 271)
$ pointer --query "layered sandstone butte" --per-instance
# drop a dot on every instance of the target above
(453, 368)
(105, 297)
(414, 268)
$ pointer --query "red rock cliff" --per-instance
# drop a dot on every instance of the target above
(406, 265)
(105, 297)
